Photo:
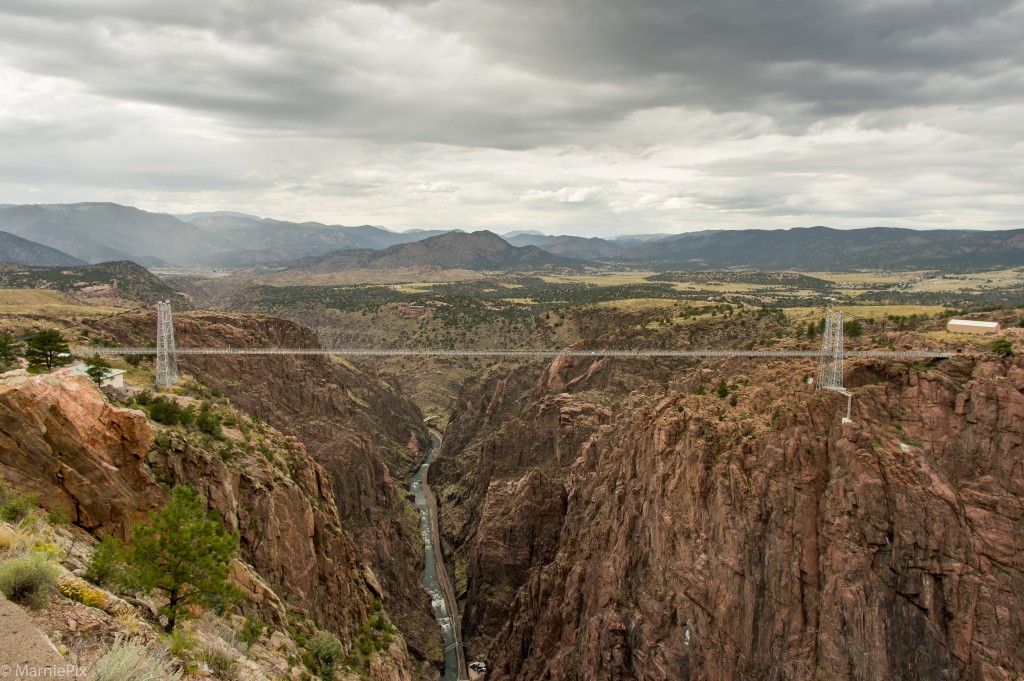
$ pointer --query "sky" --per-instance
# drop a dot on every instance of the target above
(587, 117)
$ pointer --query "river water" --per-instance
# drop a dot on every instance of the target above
(429, 576)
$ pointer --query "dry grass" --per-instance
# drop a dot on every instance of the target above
(878, 311)
(422, 276)
(14, 301)
(133, 659)
(865, 277)
(599, 278)
(640, 303)
(13, 540)
(730, 287)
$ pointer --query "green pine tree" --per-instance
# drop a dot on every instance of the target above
(853, 328)
(10, 350)
(184, 554)
(98, 368)
(47, 348)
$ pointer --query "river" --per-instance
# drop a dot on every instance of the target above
(435, 577)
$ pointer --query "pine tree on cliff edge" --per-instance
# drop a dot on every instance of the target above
(185, 555)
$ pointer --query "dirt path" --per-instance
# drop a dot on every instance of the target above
(25, 652)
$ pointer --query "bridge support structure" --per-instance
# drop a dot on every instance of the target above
(166, 353)
(830, 363)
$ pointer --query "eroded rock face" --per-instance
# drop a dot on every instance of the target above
(761, 540)
(60, 439)
(360, 429)
(280, 500)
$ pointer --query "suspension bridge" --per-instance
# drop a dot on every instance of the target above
(830, 356)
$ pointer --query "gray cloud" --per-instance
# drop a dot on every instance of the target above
(655, 114)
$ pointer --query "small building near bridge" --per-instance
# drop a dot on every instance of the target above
(971, 326)
(113, 379)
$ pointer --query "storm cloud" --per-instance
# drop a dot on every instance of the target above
(581, 116)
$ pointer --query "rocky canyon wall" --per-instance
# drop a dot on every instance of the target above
(604, 532)
(359, 428)
(104, 465)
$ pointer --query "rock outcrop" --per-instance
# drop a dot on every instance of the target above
(60, 439)
(688, 536)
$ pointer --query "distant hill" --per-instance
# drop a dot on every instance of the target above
(14, 249)
(267, 240)
(192, 217)
(100, 232)
(124, 280)
(97, 232)
(453, 250)
(825, 249)
(571, 246)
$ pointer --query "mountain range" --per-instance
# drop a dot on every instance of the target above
(24, 252)
(825, 249)
(100, 232)
(453, 250)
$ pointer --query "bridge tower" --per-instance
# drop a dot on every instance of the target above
(166, 353)
(830, 364)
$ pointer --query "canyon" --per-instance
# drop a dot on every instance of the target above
(614, 523)
(601, 518)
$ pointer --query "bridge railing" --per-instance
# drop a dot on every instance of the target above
(510, 352)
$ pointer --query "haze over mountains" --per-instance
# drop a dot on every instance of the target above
(453, 250)
(24, 252)
(100, 232)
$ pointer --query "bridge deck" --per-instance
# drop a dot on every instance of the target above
(509, 352)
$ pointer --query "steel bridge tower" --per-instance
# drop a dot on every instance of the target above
(830, 363)
(166, 353)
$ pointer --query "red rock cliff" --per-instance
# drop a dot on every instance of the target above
(668, 535)
(61, 439)
(363, 432)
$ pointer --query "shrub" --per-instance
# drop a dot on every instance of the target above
(131, 659)
(48, 549)
(28, 578)
(251, 631)
(14, 506)
(722, 390)
(167, 412)
(209, 422)
(1002, 347)
(218, 661)
(107, 567)
(58, 515)
(181, 642)
(78, 590)
(325, 652)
